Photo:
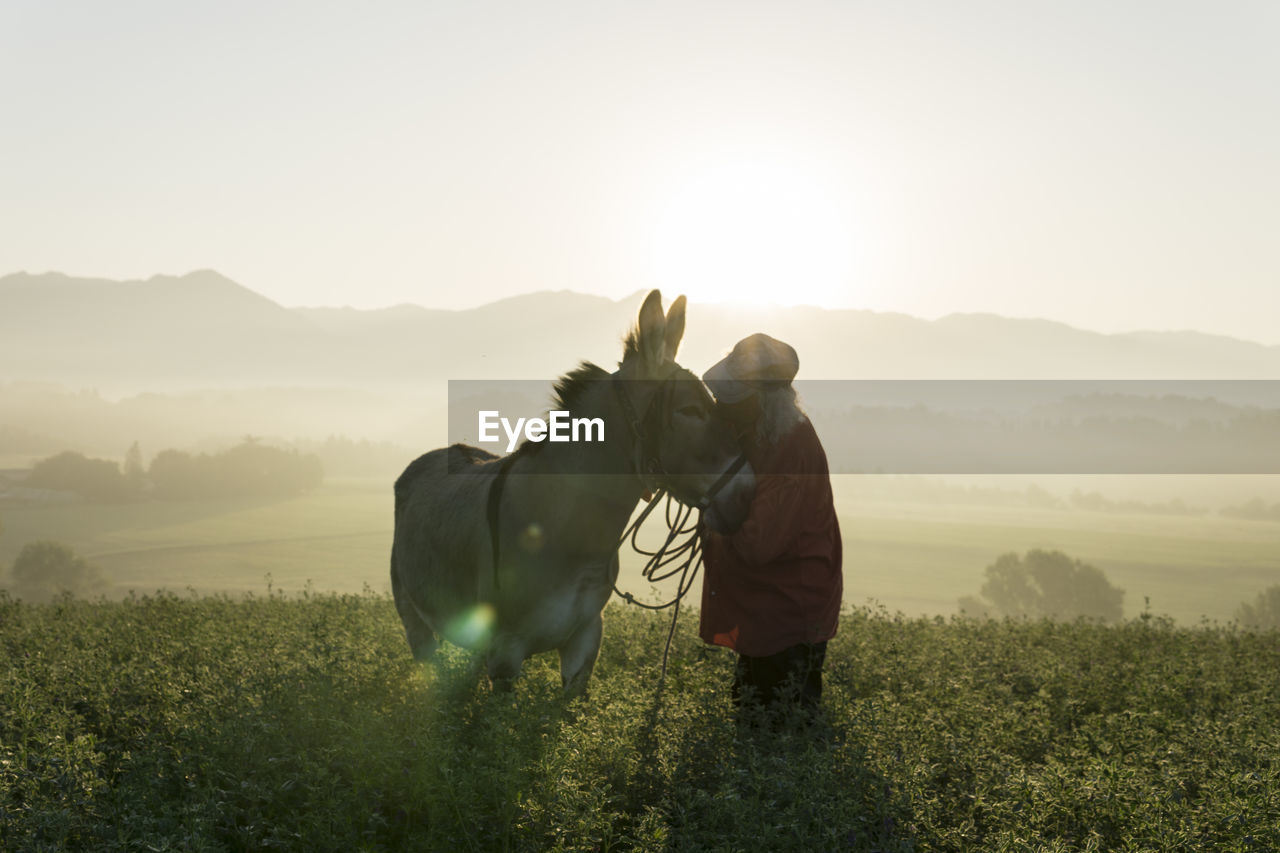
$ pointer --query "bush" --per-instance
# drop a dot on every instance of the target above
(1264, 613)
(1046, 585)
(45, 569)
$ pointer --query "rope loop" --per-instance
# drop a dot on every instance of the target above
(688, 553)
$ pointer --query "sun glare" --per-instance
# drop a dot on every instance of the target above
(756, 233)
(473, 627)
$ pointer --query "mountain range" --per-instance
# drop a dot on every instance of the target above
(203, 330)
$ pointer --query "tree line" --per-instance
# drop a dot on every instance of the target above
(919, 440)
(250, 469)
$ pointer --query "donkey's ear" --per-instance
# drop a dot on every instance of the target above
(675, 329)
(652, 326)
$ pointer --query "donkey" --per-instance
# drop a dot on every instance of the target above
(553, 513)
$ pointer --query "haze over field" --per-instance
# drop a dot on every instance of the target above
(198, 357)
(223, 362)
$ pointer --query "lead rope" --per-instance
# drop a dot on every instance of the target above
(690, 550)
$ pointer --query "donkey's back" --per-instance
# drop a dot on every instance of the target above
(458, 459)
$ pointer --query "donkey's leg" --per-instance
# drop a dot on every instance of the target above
(422, 640)
(578, 656)
(503, 661)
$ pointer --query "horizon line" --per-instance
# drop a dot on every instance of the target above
(638, 295)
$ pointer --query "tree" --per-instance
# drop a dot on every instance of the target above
(1046, 584)
(135, 475)
(45, 568)
(178, 475)
(255, 469)
(1264, 613)
(249, 469)
(1254, 510)
(94, 479)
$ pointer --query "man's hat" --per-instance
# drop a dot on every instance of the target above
(756, 360)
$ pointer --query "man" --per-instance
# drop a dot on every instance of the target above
(773, 587)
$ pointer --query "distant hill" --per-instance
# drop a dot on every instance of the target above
(203, 330)
(190, 331)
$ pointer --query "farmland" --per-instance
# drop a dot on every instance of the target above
(913, 556)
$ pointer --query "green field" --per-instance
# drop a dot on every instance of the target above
(337, 538)
(921, 558)
(301, 723)
(914, 556)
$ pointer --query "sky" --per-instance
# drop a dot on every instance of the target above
(1109, 165)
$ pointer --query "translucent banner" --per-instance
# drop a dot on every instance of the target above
(939, 426)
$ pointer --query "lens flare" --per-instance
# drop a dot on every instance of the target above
(531, 538)
(473, 627)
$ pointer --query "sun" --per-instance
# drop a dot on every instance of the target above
(756, 232)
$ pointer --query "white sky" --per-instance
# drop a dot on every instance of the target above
(1111, 165)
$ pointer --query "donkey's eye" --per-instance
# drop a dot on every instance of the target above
(693, 412)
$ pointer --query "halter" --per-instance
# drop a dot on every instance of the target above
(647, 459)
(645, 429)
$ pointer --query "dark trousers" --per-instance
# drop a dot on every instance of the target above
(792, 677)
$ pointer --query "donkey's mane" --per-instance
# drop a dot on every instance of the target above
(631, 344)
(570, 388)
(569, 391)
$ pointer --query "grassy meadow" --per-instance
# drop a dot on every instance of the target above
(337, 538)
(300, 722)
(921, 558)
(266, 699)
(914, 556)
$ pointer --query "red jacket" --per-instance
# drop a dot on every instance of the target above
(777, 581)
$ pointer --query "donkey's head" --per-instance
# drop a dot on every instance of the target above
(682, 443)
